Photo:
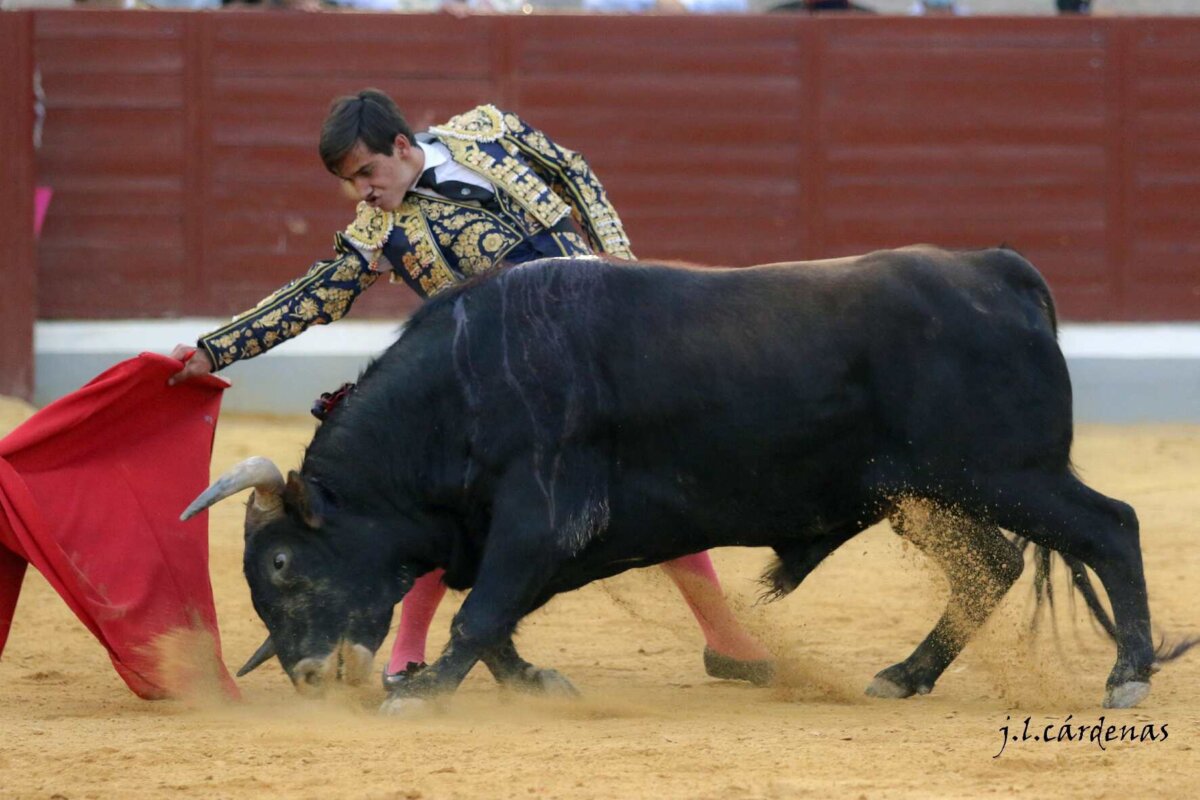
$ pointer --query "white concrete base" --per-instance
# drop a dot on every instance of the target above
(284, 381)
(1120, 372)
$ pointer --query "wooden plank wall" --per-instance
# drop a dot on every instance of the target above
(973, 134)
(119, 152)
(18, 264)
(698, 131)
(182, 146)
(1158, 241)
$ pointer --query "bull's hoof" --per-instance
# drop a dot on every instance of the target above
(894, 683)
(882, 687)
(549, 682)
(1126, 695)
(726, 668)
(399, 706)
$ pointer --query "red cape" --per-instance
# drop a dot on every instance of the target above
(91, 488)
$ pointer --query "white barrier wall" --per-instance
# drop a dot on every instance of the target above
(1120, 372)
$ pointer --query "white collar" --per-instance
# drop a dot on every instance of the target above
(436, 154)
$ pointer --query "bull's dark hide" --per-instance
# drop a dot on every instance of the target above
(564, 420)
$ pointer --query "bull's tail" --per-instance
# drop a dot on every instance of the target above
(1081, 581)
(1043, 586)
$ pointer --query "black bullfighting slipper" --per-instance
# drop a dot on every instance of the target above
(394, 680)
(760, 673)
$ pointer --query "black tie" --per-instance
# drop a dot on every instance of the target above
(454, 190)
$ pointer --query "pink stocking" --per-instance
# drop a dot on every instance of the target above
(697, 582)
(416, 613)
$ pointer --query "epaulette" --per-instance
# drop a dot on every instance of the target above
(371, 227)
(481, 124)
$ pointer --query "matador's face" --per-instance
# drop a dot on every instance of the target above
(379, 179)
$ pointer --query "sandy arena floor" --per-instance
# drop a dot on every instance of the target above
(651, 724)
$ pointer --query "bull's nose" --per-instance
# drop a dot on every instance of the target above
(309, 675)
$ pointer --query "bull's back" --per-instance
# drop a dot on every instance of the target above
(797, 346)
(807, 331)
(766, 386)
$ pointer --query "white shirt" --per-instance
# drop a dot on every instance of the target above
(437, 158)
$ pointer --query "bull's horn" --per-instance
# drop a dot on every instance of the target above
(257, 472)
(263, 654)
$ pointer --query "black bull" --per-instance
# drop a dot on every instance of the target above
(562, 421)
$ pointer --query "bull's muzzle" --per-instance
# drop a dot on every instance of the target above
(350, 663)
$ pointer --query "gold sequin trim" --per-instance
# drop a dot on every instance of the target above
(371, 227)
(423, 261)
(514, 177)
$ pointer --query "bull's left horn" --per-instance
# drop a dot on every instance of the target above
(257, 472)
(263, 654)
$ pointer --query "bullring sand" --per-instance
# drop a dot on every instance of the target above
(650, 723)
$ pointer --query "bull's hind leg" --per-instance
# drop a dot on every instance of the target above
(1060, 512)
(980, 564)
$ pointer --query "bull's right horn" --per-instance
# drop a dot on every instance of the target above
(257, 472)
(264, 653)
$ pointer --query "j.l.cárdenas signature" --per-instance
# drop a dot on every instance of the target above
(1097, 733)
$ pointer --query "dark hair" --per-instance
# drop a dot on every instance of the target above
(370, 117)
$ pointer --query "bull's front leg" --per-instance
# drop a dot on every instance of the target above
(522, 555)
(482, 630)
(509, 669)
(442, 677)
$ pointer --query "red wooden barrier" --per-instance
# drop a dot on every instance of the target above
(182, 146)
(18, 273)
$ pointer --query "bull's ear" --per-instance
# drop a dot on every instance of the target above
(300, 496)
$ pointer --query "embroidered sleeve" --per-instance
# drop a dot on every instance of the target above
(569, 175)
(323, 295)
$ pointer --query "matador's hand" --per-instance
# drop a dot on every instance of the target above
(195, 363)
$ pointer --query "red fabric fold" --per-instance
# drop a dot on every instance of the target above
(91, 488)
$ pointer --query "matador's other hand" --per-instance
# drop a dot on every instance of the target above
(195, 363)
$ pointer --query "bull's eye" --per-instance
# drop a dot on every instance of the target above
(280, 566)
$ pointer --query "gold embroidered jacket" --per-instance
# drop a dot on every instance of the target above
(542, 192)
